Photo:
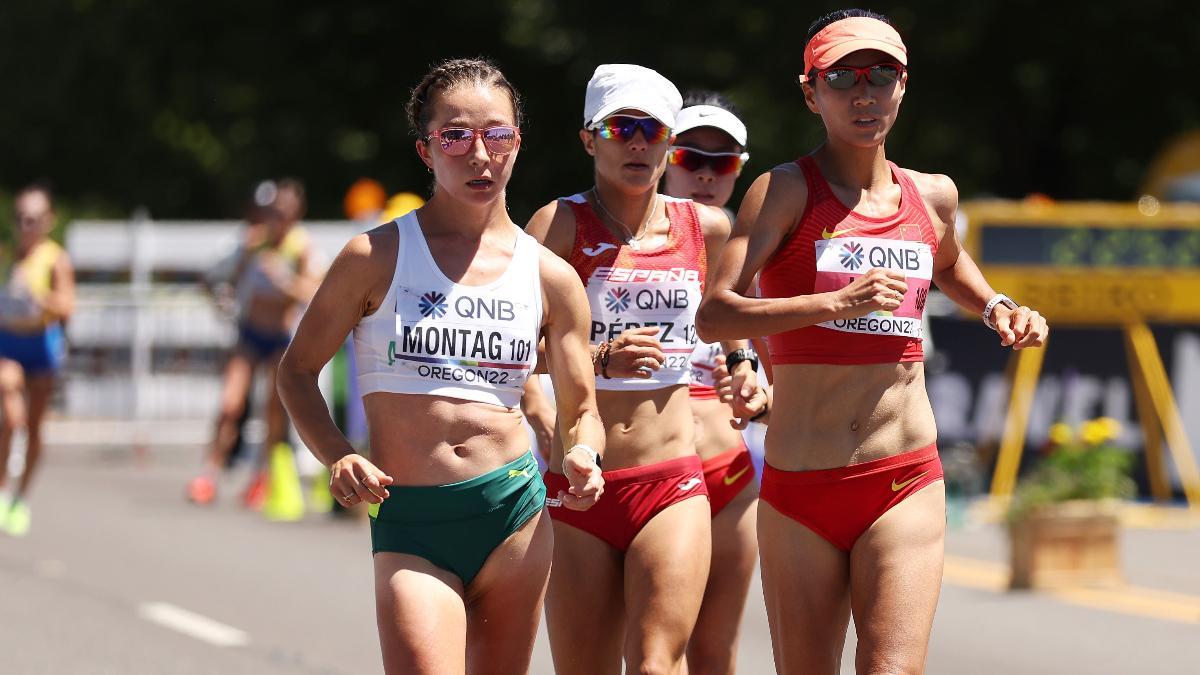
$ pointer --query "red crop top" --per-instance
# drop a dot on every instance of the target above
(830, 247)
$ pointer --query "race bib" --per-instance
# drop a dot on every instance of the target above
(668, 304)
(842, 260)
(466, 337)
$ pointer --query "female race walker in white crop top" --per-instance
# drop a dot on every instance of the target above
(447, 306)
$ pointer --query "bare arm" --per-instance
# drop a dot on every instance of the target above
(308, 278)
(354, 287)
(566, 330)
(957, 275)
(539, 413)
(717, 229)
(553, 226)
(59, 304)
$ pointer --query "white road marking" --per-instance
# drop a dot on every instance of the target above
(193, 625)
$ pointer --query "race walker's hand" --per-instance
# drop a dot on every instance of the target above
(587, 482)
(722, 381)
(743, 388)
(354, 478)
(635, 353)
(878, 289)
(1021, 327)
(747, 399)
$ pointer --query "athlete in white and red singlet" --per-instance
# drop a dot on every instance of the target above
(703, 164)
(644, 260)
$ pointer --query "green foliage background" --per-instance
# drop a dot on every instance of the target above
(183, 106)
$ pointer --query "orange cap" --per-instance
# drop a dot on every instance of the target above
(854, 34)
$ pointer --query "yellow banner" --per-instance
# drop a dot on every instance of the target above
(1091, 263)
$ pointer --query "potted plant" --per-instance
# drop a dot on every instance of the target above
(1063, 518)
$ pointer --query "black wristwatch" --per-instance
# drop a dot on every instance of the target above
(738, 355)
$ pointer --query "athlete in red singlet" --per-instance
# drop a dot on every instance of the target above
(852, 510)
(703, 165)
(644, 260)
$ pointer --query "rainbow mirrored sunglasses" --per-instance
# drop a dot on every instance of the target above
(624, 127)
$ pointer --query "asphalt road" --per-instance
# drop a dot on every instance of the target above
(120, 575)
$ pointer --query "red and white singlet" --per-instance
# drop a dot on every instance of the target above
(628, 288)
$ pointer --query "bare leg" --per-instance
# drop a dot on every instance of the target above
(504, 601)
(805, 584)
(235, 392)
(39, 387)
(896, 577)
(421, 616)
(276, 415)
(712, 648)
(585, 611)
(12, 402)
(666, 569)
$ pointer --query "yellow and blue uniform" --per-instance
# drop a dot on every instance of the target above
(26, 284)
(262, 344)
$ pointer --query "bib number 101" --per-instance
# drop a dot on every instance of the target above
(518, 350)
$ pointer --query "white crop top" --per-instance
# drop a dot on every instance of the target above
(433, 336)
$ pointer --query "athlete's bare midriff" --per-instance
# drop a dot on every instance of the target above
(270, 313)
(714, 436)
(646, 427)
(827, 416)
(419, 439)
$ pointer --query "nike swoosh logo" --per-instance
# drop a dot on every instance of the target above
(826, 234)
(730, 480)
(598, 249)
(896, 487)
(513, 473)
(689, 484)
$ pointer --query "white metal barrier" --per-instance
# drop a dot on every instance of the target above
(146, 354)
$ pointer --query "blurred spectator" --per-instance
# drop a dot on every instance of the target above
(37, 298)
(273, 277)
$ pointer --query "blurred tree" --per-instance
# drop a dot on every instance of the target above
(182, 107)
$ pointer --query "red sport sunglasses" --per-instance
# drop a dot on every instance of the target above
(845, 77)
(721, 163)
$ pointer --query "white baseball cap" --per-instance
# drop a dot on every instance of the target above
(616, 86)
(695, 116)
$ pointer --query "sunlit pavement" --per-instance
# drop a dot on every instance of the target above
(120, 575)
